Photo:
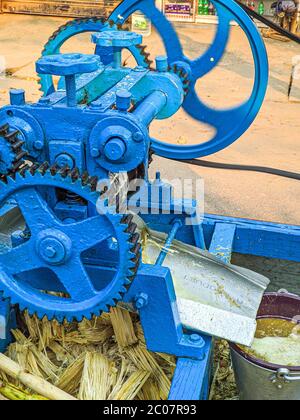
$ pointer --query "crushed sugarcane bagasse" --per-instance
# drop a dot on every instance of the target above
(102, 359)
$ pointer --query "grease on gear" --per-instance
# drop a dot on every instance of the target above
(12, 153)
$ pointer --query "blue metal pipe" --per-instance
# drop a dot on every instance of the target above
(151, 107)
(162, 256)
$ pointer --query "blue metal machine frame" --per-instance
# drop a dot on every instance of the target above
(94, 125)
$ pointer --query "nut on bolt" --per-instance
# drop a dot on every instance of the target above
(141, 300)
(95, 152)
(138, 137)
(63, 160)
(196, 339)
(38, 144)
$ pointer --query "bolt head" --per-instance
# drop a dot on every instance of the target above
(64, 160)
(138, 137)
(53, 246)
(114, 149)
(50, 252)
(38, 145)
(95, 152)
(141, 300)
(195, 338)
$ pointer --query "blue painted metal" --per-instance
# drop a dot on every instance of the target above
(177, 224)
(98, 121)
(17, 96)
(159, 315)
(76, 27)
(222, 241)
(190, 381)
(58, 246)
(229, 124)
(116, 41)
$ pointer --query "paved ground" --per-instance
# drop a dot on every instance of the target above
(273, 139)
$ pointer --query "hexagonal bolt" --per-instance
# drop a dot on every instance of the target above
(141, 300)
(50, 252)
(196, 339)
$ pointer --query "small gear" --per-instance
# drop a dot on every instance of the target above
(60, 248)
(11, 150)
(183, 75)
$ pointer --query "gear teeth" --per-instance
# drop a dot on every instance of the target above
(49, 48)
(44, 168)
(130, 242)
(75, 174)
(93, 181)
(64, 172)
(23, 170)
(4, 130)
(17, 145)
(134, 239)
(17, 154)
(11, 137)
(183, 75)
(54, 169)
(34, 168)
(136, 260)
(20, 156)
(136, 249)
(85, 178)
(127, 220)
(131, 228)
(16, 166)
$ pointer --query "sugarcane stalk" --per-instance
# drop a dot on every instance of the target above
(13, 393)
(35, 383)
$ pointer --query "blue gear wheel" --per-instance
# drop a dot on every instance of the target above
(79, 26)
(58, 247)
(229, 123)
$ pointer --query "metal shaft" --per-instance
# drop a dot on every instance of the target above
(71, 90)
(162, 256)
(151, 107)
